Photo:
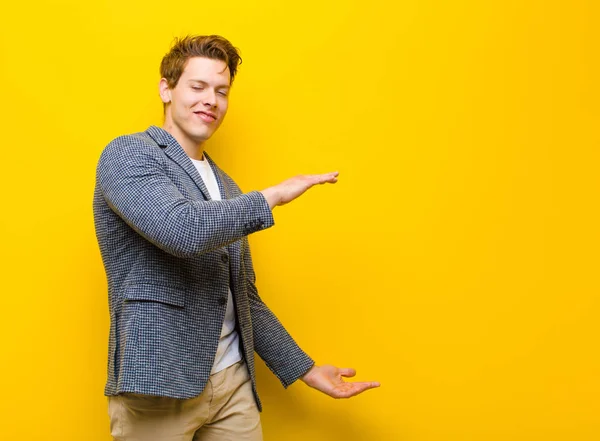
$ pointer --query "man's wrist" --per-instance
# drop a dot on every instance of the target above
(308, 373)
(272, 196)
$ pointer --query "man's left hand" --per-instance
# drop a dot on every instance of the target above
(329, 380)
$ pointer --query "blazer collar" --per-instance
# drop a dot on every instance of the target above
(174, 151)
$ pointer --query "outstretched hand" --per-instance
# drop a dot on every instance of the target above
(292, 188)
(329, 380)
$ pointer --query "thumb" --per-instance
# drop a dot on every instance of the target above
(347, 372)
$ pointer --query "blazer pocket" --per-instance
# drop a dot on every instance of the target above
(156, 293)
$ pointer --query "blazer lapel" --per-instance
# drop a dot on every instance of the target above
(174, 151)
(223, 189)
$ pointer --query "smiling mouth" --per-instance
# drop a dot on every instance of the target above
(206, 117)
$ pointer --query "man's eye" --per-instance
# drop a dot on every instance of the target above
(222, 93)
(197, 87)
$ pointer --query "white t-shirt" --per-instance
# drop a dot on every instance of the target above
(228, 351)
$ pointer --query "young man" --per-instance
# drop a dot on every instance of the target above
(185, 314)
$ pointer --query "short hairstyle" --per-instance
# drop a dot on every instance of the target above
(208, 46)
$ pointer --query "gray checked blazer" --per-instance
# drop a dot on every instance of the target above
(170, 255)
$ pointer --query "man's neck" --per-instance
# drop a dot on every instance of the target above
(191, 148)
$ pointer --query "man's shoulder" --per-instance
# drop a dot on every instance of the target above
(139, 144)
(139, 140)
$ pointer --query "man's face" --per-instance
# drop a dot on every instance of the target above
(198, 103)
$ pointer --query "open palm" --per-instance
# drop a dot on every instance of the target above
(330, 380)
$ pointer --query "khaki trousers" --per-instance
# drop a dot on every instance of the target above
(225, 411)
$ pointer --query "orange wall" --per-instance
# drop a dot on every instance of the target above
(456, 260)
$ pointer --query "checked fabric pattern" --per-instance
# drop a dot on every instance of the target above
(170, 254)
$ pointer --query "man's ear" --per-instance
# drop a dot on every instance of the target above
(164, 91)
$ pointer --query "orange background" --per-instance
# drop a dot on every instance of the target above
(455, 261)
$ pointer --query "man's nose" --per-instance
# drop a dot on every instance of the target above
(210, 98)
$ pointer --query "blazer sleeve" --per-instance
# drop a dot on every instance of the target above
(272, 342)
(132, 179)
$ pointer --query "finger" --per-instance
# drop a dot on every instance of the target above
(364, 385)
(347, 372)
(324, 179)
(333, 177)
(358, 388)
(334, 174)
(327, 176)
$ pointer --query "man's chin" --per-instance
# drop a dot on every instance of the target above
(200, 137)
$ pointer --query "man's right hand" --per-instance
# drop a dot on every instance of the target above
(290, 189)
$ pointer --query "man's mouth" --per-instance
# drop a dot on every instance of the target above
(206, 116)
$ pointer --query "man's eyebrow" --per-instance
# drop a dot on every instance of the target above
(219, 86)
